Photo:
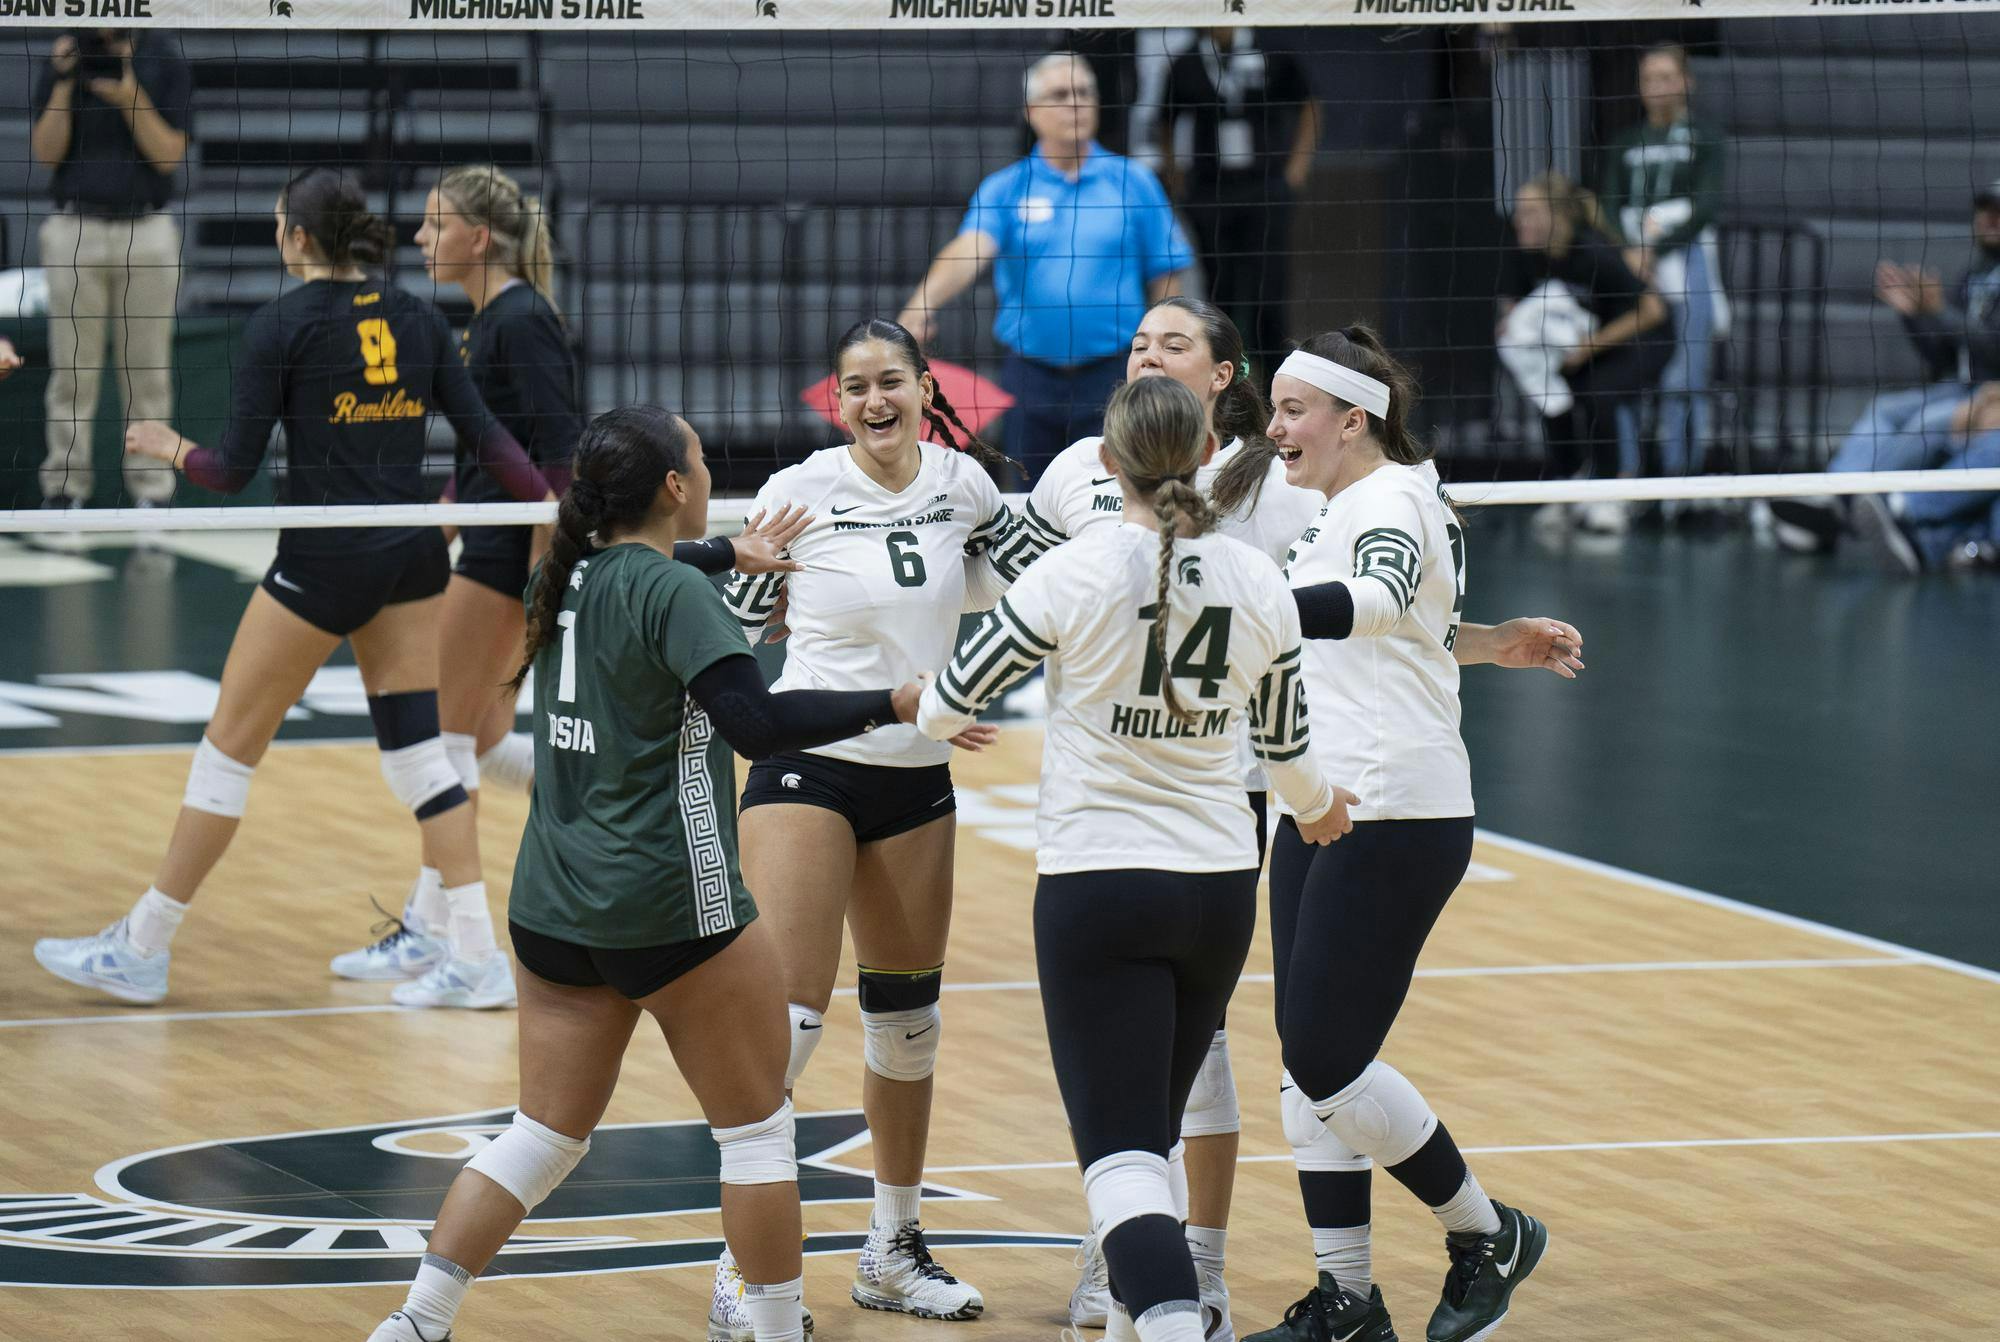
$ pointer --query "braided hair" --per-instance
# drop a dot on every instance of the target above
(1154, 431)
(940, 418)
(623, 458)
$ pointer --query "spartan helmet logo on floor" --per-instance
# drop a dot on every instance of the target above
(1189, 569)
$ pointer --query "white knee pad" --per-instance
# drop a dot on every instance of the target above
(1124, 1185)
(216, 783)
(759, 1153)
(1379, 1114)
(529, 1160)
(422, 776)
(463, 752)
(807, 1031)
(1211, 1105)
(902, 1045)
(1314, 1147)
(511, 762)
(1177, 1184)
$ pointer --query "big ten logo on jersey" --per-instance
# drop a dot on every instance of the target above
(1199, 666)
(350, 1206)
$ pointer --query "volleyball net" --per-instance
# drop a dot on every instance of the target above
(728, 187)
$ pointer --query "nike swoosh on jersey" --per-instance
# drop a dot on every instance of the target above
(280, 579)
(1105, 481)
(848, 509)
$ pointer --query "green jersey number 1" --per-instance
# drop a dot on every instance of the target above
(566, 679)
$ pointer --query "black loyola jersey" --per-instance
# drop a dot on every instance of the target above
(520, 361)
(353, 369)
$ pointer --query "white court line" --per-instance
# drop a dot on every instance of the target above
(170, 747)
(1793, 921)
(1860, 1139)
(1031, 985)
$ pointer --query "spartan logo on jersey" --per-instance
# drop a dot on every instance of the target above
(352, 1206)
(1189, 570)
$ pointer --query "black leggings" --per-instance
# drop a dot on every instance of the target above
(1136, 969)
(1589, 432)
(1348, 921)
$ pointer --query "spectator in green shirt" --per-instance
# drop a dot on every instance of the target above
(1662, 188)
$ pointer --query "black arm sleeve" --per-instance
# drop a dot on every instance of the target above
(1326, 610)
(256, 401)
(758, 723)
(712, 556)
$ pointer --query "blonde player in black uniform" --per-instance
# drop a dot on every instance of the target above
(483, 235)
(626, 898)
(1195, 344)
(862, 830)
(351, 367)
(1380, 584)
(1161, 639)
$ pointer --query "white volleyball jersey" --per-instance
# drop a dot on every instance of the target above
(1385, 708)
(1077, 493)
(1124, 782)
(884, 580)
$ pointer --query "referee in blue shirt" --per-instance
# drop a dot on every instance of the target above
(1081, 242)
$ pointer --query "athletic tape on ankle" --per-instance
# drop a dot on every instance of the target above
(216, 783)
(529, 1160)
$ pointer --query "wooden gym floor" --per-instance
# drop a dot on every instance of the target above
(1737, 1125)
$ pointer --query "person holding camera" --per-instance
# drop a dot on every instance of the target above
(111, 121)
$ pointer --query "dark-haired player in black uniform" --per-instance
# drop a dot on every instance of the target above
(352, 368)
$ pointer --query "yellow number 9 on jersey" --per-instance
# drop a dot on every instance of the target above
(378, 351)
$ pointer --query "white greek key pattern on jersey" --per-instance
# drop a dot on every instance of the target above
(752, 598)
(1040, 532)
(1000, 652)
(1003, 538)
(1391, 557)
(708, 864)
(1279, 727)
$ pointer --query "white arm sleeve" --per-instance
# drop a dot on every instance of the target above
(1388, 564)
(1006, 646)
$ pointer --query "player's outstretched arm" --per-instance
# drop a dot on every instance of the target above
(1528, 644)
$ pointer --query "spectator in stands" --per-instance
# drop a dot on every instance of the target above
(1955, 530)
(111, 120)
(1662, 188)
(1082, 241)
(1620, 346)
(1916, 428)
(1238, 129)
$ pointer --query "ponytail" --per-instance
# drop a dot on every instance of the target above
(522, 242)
(329, 205)
(1181, 511)
(578, 516)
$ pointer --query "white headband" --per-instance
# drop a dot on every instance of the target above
(1339, 381)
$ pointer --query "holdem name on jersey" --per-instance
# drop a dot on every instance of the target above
(1157, 724)
(572, 734)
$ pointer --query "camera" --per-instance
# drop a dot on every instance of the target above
(94, 57)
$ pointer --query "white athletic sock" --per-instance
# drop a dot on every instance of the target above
(1206, 1244)
(776, 1312)
(894, 1204)
(1469, 1210)
(471, 921)
(1346, 1252)
(436, 1294)
(1180, 1325)
(1177, 1180)
(425, 910)
(151, 925)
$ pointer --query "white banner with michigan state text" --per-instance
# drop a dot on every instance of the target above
(488, 16)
